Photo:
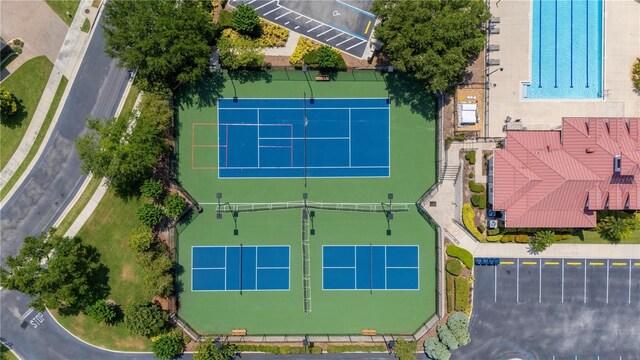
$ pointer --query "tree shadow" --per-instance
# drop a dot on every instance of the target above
(16, 119)
(250, 75)
(204, 93)
(407, 91)
(178, 285)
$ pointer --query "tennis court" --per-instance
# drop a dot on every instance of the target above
(289, 138)
(373, 267)
(240, 268)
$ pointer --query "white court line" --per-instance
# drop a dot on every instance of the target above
(269, 12)
(299, 108)
(225, 268)
(309, 138)
(258, 121)
(562, 281)
(349, 137)
(338, 44)
(540, 282)
(517, 280)
(315, 28)
(355, 267)
(334, 37)
(629, 281)
(282, 16)
(607, 301)
(495, 284)
(352, 46)
(261, 6)
(585, 282)
(323, 33)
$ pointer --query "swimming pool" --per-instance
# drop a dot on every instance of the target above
(566, 50)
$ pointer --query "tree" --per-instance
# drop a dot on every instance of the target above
(8, 104)
(436, 350)
(168, 42)
(141, 239)
(145, 319)
(432, 39)
(240, 52)
(541, 240)
(152, 189)
(246, 21)
(447, 337)
(327, 58)
(405, 350)
(102, 312)
(157, 272)
(150, 215)
(174, 205)
(617, 227)
(167, 346)
(57, 272)
(459, 325)
(208, 350)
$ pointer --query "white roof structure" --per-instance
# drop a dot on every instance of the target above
(467, 114)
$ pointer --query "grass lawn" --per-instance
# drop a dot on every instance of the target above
(5, 353)
(108, 230)
(63, 8)
(36, 145)
(592, 237)
(79, 206)
(27, 84)
(86, 26)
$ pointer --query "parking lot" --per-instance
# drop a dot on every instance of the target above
(343, 24)
(556, 309)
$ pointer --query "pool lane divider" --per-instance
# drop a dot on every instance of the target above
(540, 47)
(555, 60)
(571, 50)
(586, 2)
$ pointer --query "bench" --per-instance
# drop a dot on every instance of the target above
(239, 332)
(323, 78)
(369, 332)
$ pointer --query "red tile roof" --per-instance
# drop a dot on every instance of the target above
(561, 178)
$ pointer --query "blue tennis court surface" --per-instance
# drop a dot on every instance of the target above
(240, 268)
(364, 267)
(270, 138)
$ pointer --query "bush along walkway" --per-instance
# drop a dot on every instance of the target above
(67, 62)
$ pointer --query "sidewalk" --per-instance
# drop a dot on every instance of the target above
(287, 49)
(69, 58)
(446, 208)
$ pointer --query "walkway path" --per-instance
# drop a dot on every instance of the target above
(446, 209)
(66, 64)
(287, 49)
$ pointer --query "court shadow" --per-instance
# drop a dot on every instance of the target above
(178, 285)
(250, 75)
(407, 91)
(205, 93)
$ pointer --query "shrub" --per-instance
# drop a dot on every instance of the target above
(560, 237)
(225, 21)
(405, 350)
(479, 201)
(447, 337)
(272, 35)
(460, 254)
(144, 318)
(454, 267)
(208, 350)
(355, 348)
(174, 205)
(450, 298)
(279, 350)
(459, 325)
(8, 104)
(471, 157)
(541, 240)
(141, 239)
(150, 215)
(246, 21)
(617, 226)
(471, 175)
(327, 58)
(303, 47)
(507, 238)
(494, 238)
(522, 238)
(468, 218)
(476, 188)
(102, 312)
(436, 350)
(635, 74)
(152, 189)
(494, 231)
(239, 51)
(481, 228)
(167, 346)
(462, 293)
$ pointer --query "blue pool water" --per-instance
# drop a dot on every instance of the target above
(566, 50)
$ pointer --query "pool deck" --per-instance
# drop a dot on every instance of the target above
(621, 47)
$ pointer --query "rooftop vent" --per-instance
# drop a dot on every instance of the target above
(589, 150)
(617, 164)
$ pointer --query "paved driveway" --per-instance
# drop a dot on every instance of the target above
(556, 309)
(34, 22)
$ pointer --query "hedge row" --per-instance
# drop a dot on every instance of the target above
(468, 218)
(476, 188)
(356, 348)
(462, 294)
(460, 254)
(450, 297)
(479, 201)
(453, 267)
(279, 350)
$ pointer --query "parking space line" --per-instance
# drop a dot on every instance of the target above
(562, 281)
(607, 299)
(574, 263)
(269, 12)
(283, 15)
(334, 37)
(251, 2)
(506, 262)
(323, 33)
(367, 29)
(596, 264)
(636, 264)
(618, 264)
(529, 263)
(540, 283)
(299, 17)
(551, 263)
(296, 28)
(629, 281)
(310, 20)
(518, 281)
(338, 44)
(495, 285)
(352, 46)
(314, 28)
(585, 284)
(287, 23)
(261, 6)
